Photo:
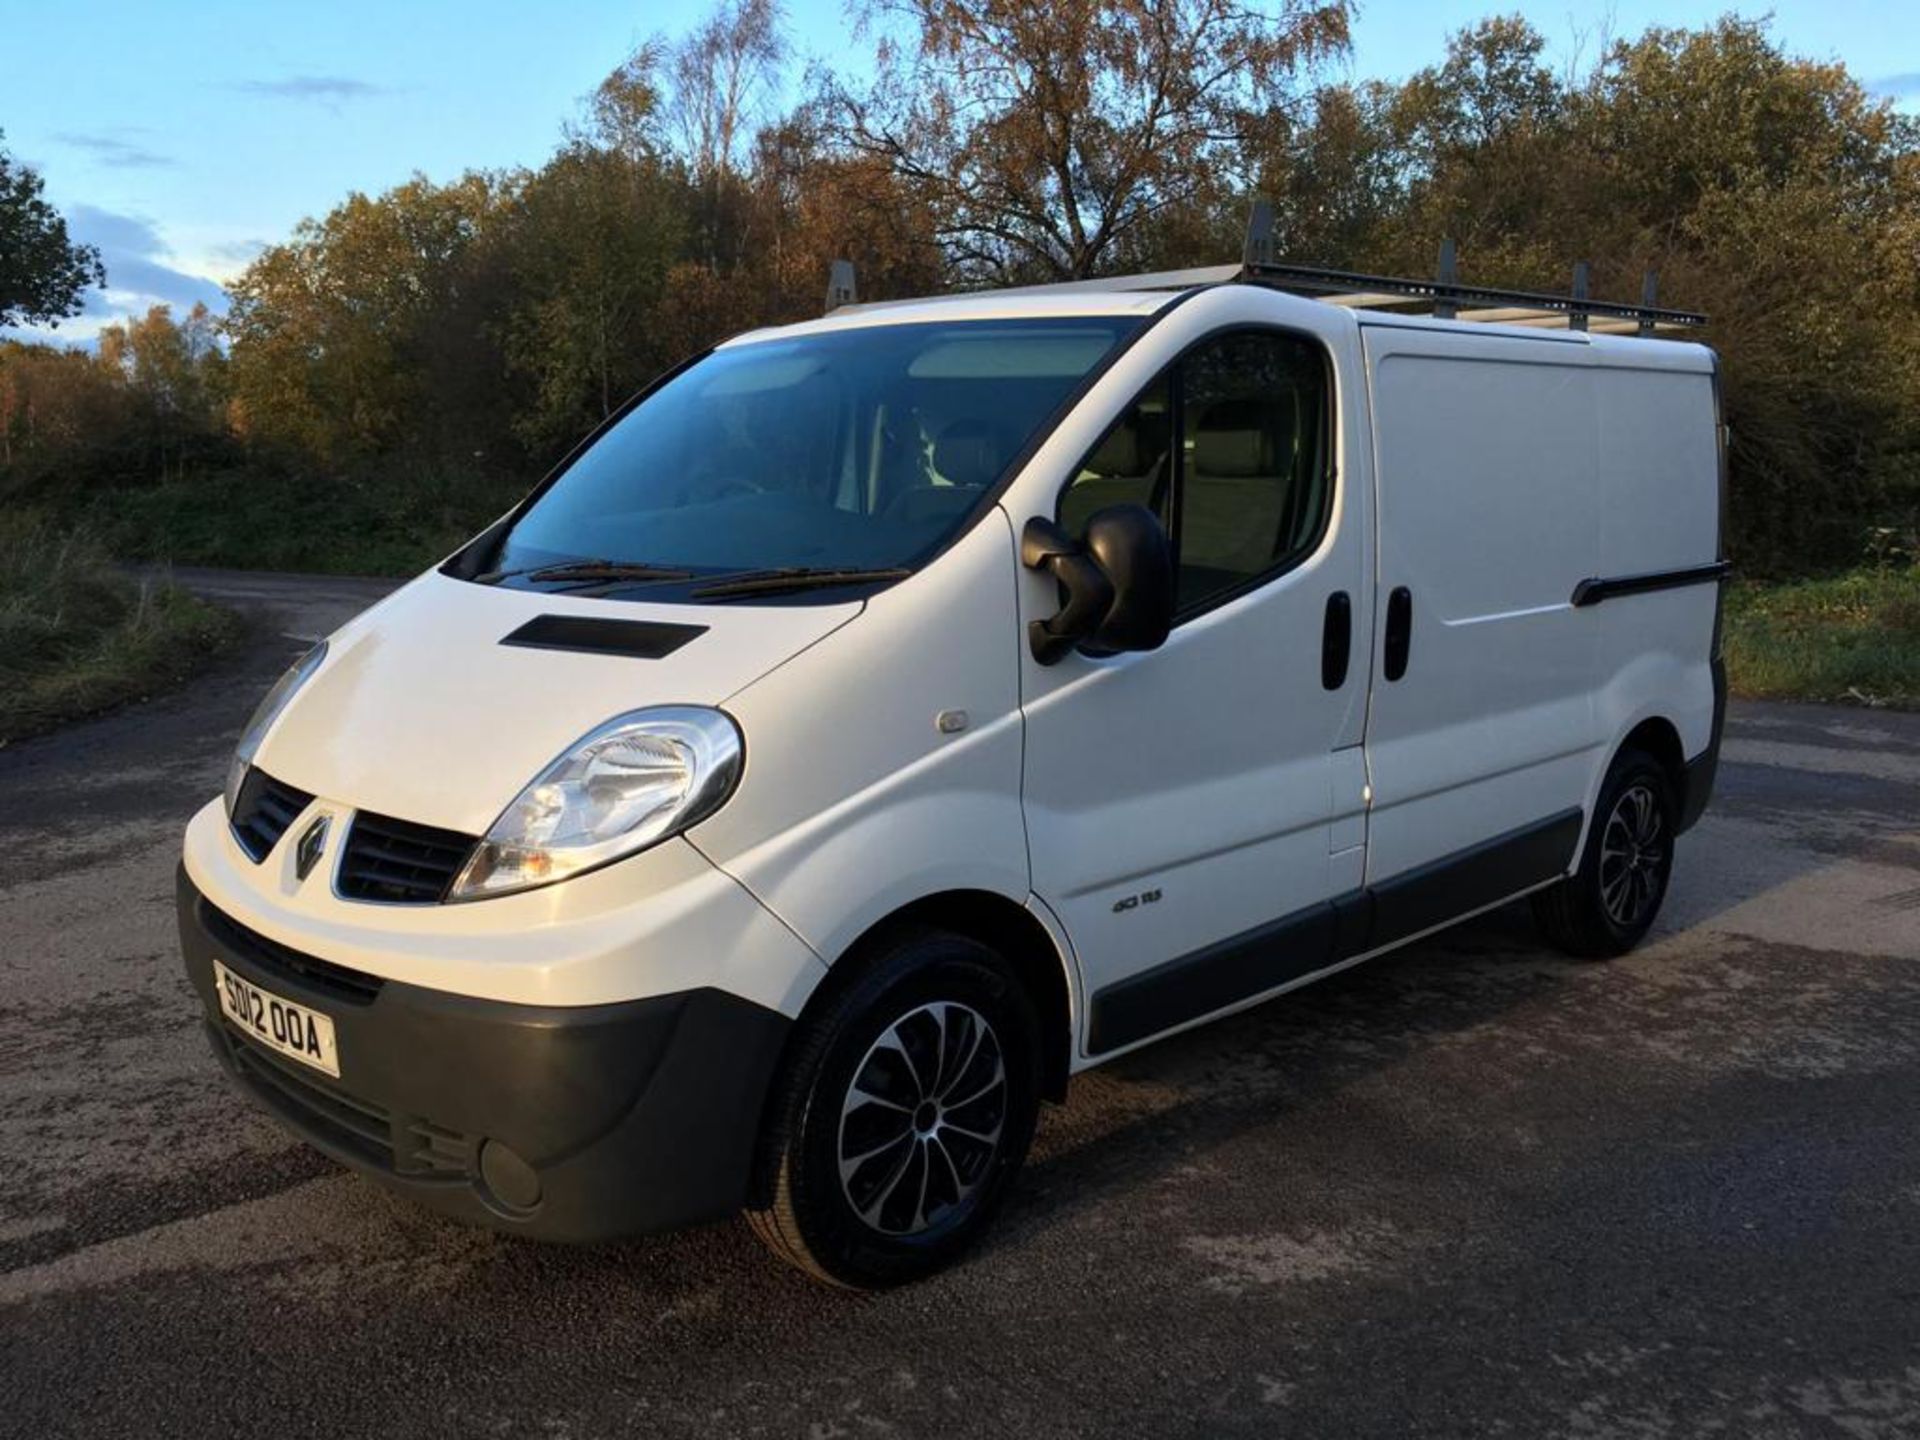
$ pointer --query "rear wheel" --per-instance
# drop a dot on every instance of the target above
(1606, 906)
(903, 1115)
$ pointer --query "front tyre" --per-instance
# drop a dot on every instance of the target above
(902, 1116)
(1607, 906)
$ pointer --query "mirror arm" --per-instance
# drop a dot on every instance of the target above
(1045, 546)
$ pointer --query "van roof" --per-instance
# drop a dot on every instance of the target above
(1376, 299)
(1023, 303)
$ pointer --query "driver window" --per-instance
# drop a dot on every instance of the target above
(1244, 494)
(1253, 476)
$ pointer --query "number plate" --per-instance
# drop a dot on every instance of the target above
(294, 1030)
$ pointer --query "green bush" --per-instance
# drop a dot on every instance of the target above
(78, 635)
(391, 521)
(1853, 637)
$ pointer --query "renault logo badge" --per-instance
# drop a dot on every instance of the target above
(307, 854)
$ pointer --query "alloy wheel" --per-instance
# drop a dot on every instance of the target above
(1634, 847)
(922, 1119)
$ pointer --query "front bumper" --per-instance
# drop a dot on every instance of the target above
(575, 1123)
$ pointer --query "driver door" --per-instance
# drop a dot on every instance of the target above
(1192, 810)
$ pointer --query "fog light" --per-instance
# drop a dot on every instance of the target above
(511, 1181)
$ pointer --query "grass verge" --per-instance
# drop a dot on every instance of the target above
(1852, 638)
(78, 635)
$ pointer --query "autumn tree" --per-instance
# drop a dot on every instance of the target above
(592, 237)
(43, 273)
(340, 344)
(1337, 180)
(732, 217)
(61, 417)
(814, 203)
(1771, 192)
(721, 82)
(1046, 135)
(1780, 197)
(696, 102)
(623, 112)
(145, 400)
(172, 377)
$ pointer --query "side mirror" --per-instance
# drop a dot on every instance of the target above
(1118, 582)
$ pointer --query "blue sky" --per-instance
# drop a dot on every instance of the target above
(181, 138)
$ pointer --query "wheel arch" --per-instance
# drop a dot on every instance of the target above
(1659, 737)
(1007, 927)
(1655, 736)
(1012, 931)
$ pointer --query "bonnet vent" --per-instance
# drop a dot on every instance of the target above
(636, 639)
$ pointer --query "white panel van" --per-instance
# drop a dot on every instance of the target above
(881, 719)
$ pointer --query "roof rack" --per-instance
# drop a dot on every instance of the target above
(1443, 297)
(1447, 299)
(840, 287)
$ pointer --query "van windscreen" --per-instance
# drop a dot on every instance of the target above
(859, 449)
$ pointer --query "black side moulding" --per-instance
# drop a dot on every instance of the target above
(1325, 934)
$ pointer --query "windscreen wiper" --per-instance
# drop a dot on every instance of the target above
(588, 572)
(791, 578)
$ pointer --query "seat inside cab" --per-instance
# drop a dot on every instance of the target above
(1249, 497)
(1128, 467)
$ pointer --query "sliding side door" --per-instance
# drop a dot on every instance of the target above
(1481, 727)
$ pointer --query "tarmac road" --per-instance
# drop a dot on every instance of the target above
(1472, 1189)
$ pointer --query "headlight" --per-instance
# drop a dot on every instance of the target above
(633, 782)
(265, 713)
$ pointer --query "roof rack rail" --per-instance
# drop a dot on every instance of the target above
(840, 285)
(1444, 297)
(1451, 300)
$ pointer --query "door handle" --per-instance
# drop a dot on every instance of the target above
(1336, 640)
(1399, 632)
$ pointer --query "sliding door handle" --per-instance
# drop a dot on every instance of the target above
(1399, 632)
(1336, 640)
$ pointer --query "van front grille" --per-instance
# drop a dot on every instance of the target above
(263, 810)
(355, 987)
(399, 862)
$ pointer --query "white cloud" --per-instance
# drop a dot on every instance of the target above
(114, 149)
(139, 276)
(331, 89)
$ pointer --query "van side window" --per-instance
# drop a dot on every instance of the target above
(1245, 493)
(1253, 480)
